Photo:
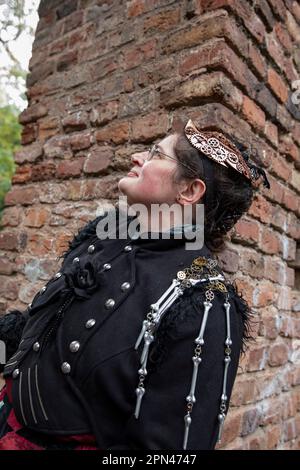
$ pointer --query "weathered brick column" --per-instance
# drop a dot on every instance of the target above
(106, 79)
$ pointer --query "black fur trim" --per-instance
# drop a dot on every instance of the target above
(186, 308)
(11, 328)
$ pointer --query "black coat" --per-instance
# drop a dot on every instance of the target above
(76, 369)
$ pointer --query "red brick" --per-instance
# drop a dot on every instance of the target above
(264, 294)
(218, 24)
(290, 200)
(253, 114)
(23, 196)
(29, 134)
(104, 113)
(6, 267)
(48, 127)
(257, 358)
(36, 217)
(218, 54)
(247, 231)
(271, 133)
(29, 153)
(70, 168)
(289, 430)
(73, 21)
(11, 217)
(33, 113)
(269, 328)
(8, 288)
(66, 61)
(275, 50)
(135, 8)
(162, 21)
(283, 36)
(103, 67)
(276, 191)
(44, 171)
(139, 54)
(214, 86)
(58, 46)
(261, 209)
(117, 132)
(244, 391)
(232, 426)
(76, 121)
(257, 60)
(258, 441)
(279, 8)
(274, 270)
(39, 244)
(22, 174)
(288, 148)
(277, 85)
(81, 141)
(252, 263)
(280, 168)
(250, 421)
(273, 436)
(98, 160)
(270, 242)
(8, 240)
(229, 260)
(149, 127)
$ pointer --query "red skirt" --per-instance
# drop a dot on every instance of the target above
(17, 437)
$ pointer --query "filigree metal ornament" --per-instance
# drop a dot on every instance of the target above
(221, 150)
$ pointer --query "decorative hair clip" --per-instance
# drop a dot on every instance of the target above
(219, 149)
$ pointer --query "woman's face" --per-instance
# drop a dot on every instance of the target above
(152, 181)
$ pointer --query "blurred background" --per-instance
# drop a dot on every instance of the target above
(18, 21)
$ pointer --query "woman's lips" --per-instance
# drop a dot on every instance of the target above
(131, 173)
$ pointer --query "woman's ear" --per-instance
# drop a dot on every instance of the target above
(192, 191)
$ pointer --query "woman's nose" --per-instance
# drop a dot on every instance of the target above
(139, 158)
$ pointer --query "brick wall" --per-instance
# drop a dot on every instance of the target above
(106, 79)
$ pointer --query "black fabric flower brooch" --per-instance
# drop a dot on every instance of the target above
(83, 281)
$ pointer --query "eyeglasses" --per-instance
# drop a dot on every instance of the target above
(154, 150)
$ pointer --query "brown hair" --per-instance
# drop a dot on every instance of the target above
(228, 193)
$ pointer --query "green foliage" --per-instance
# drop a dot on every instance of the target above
(10, 137)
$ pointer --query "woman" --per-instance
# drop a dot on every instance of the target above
(135, 342)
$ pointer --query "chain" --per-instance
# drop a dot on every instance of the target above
(202, 267)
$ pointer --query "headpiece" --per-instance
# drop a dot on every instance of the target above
(219, 149)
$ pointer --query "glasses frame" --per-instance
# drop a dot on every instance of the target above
(154, 148)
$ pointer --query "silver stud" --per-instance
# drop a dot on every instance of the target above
(106, 266)
(16, 373)
(43, 289)
(74, 346)
(127, 248)
(36, 346)
(90, 323)
(75, 260)
(125, 286)
(91, 248)
(109, 303)
(65, 368)
(29, 305)
(57, 275)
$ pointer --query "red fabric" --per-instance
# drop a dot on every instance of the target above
(12, 440)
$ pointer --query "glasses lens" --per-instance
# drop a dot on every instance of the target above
(151, 152)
